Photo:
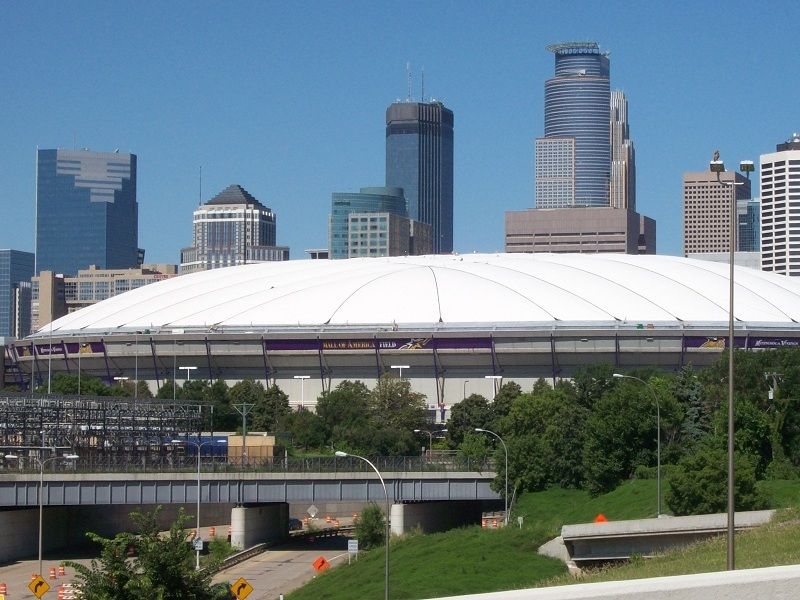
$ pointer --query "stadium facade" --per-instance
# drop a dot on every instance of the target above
(449, 321)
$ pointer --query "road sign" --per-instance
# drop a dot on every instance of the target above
(197, 544)
(320, 564)
(352, 546)
(312, 511)
(241, 588)
(38, 586)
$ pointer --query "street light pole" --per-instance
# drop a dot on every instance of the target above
(505, 449)
(400, 369)
(658, 428)
(42, 463)
(717, 166)
(302, 379)
(495, 379)
(198, 445)
(388, 508)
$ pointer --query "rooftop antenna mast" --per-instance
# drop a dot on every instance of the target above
(200, 199)
(423, 84)
(408, 73)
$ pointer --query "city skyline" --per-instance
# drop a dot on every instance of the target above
(312, 119)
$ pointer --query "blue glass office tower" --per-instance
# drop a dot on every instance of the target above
(419, 159)
(16, 270)
(368, 200)
(86, 211)
(573, 160)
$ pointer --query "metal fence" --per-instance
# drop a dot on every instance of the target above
(188, 464)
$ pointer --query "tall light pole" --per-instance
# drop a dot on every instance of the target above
(80, 351)
(400, 369)
(430, 436)
(302, 379)
(42, 463)
(121, 380)
(717, 166)
(505, 449)
(658, 430)
(50, 357)
(198, 445)
(495, 379)
(136, 365)
(188, 372)
(388, 509)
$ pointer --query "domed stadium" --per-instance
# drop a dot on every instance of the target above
(452, 324)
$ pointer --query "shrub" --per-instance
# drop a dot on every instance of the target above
(698, 484)
(370, 527)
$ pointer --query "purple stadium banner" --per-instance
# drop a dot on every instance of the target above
(380, 344)
(58, 348)
(721, 342)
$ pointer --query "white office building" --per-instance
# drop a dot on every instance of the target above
(780, 208)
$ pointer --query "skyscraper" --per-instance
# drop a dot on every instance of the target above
(573, 160)
(780, 208)
(232, 228)
(706, 212)
(623, 157)
(419, 159)
(16, 270)
(86, 210)
(367, 200)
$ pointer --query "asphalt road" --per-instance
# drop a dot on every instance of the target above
(284, 568)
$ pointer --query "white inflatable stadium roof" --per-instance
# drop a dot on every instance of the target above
(446, 291)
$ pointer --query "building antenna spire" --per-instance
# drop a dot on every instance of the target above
(201, 186)
(408, 74)
(423, 84)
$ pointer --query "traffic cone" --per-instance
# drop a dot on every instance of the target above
(230, 531)
(52, 572)
(62, 571)
(3, 588)
(212, 532)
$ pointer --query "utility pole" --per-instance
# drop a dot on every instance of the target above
(244, 409)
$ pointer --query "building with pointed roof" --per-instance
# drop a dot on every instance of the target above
(233, 228)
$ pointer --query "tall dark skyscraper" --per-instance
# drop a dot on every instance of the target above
(419, 159)
(16, 270)
(86, 211)
(573, 159)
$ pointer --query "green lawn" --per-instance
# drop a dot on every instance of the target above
(462, 561)
(474, 560)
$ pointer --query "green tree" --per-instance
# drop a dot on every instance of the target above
(473, 448)
(271, 410)
(474, 411)
(370, 527)
(545, 437)
(162, 568)
(699, 483)
(306, 429)
(620, 434)
(344, 408)
(504, 399)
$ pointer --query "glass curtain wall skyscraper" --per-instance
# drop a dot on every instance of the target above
(367, 200)
(419, 159)
(16, 270)
(576, 143)
(86, 210)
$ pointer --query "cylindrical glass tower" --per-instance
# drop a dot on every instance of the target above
(576, 105)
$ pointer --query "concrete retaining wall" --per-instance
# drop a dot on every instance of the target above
(254, 524)
(775, 583)
(66, 526)
(435, 516)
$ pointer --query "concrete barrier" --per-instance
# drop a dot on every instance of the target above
(618, 540)
(775, 583)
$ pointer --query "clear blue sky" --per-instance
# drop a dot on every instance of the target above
(288, 99)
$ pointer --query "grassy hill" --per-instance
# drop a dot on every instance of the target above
(474, 560)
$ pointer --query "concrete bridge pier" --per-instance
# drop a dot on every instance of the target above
(436, 516)
(253, 524)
